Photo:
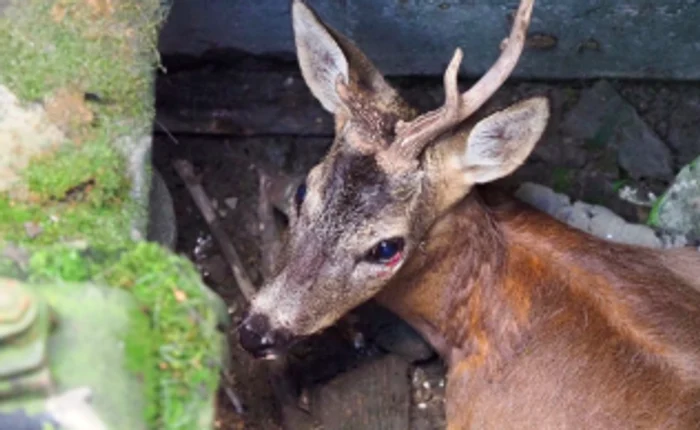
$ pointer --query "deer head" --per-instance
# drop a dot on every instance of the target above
(389, 175)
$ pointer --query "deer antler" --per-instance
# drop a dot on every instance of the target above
(413, 136)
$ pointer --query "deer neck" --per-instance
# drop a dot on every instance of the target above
(456, 292)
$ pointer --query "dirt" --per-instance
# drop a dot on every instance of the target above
(68, 109)
(29, 133)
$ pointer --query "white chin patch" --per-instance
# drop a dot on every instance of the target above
(270, 356)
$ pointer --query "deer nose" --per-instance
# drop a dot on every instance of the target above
(258, 338)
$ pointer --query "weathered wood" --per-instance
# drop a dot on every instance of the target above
(276, 101)
(376, 395)
(248, 101)
(239, 103)
(569, 38)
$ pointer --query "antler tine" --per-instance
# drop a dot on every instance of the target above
(412, 137)
(450, 81)
(477, 95)
(425, 127)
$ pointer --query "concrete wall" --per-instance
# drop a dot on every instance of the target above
(594, 38)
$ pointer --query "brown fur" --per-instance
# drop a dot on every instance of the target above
(544, 326)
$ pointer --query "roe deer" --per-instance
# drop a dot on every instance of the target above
(541, 326)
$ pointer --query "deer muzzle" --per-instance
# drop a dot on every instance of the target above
(256, 336)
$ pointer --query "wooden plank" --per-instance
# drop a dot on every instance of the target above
(259, 98)
(239, 103)
(376, 395)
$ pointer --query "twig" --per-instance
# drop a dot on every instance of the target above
(281, 384)
(186, 172)
(232, 396)
(167, 132)
(269, 232)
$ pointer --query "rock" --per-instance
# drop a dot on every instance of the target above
(403, 340)
(678, 210)
(427, 407)
(596, 220)
(603, 223)
(392, 334)
(215, 268)
(162, 225)
(24, 334)
(574, 217)
(638, 234)
(558, 150)
(606, 224)
(231, 202)
(638, 196)
(32, 229)
(684, 133)
(607, 121)
(25, 133)
(640, 152)
(674, 240)
(588, 116)
(375, 395)
(136, 149)
(73, 410)
(541, 197)
(81, 330)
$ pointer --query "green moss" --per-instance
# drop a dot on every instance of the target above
(141, 351)
(178, 356)
(562, 179)
(79, 193)
(54, 44)
(67, 266)
(653, 219)
(599, 142)
(106, 226)
(620, 183)
(169, 287)
(78, 216)
(95, 171)
(68, 44)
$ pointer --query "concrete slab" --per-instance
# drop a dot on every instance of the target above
(569, 38)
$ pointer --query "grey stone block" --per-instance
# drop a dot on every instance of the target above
(605, 120)
(684, 135)
(593, 219)
(678, 210)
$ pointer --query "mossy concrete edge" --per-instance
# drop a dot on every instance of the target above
(80, 214)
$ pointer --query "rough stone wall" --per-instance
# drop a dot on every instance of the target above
(76, 107)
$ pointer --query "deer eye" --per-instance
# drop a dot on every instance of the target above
(386, 252)
(300, 194)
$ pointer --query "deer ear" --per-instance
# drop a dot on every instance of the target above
(321, 59)
(500, 143)
(324, 55)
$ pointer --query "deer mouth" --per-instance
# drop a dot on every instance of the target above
(261, 341)
(271, 354)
